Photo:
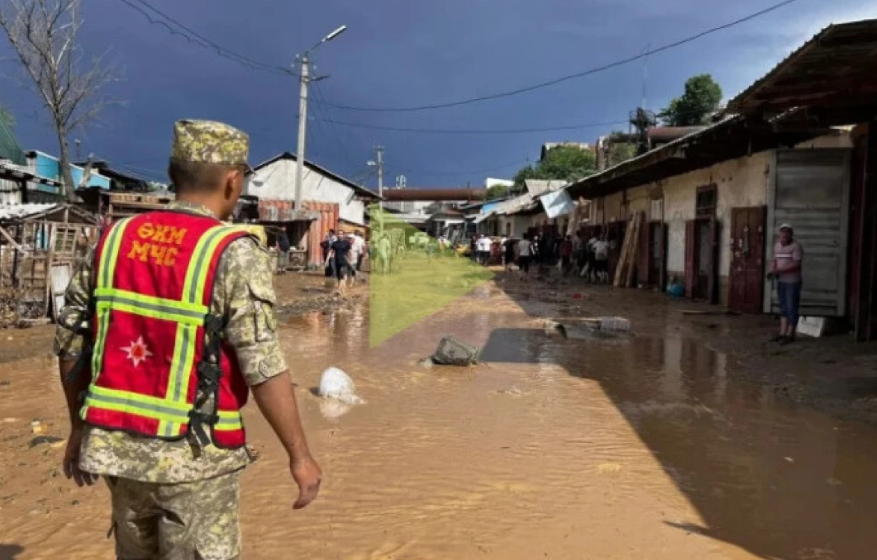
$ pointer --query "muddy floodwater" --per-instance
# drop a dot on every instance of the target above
(645, 447)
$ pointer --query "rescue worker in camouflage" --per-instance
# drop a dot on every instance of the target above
(178, 500)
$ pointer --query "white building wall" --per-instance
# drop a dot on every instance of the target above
(277, 182)
(740, 182)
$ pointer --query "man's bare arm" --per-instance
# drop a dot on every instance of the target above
(74, 387)
(276, 399)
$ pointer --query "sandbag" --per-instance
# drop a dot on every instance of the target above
(337, 385)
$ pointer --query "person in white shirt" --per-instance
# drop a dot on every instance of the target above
(601, 259)
(358, 246)
(525, 252)
(483, 247)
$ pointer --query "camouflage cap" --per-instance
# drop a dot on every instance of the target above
(209, 142)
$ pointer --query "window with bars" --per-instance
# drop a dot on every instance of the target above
(705, 201)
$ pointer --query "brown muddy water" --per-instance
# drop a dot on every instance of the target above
(640, 448)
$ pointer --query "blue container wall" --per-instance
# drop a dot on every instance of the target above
(48, 166)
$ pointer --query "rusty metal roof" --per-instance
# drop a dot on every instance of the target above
(838, 66)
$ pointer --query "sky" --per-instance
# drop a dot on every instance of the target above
(404, 53)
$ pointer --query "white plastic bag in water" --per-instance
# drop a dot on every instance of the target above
(337, 385)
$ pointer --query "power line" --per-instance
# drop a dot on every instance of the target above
(480, 131)
(568, 77)
(344, 151)
(497, 167)
(202, 41)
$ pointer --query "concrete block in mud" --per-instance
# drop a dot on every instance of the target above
(452, 352)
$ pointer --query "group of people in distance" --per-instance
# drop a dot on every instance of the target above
(343, 255)
(589, 257)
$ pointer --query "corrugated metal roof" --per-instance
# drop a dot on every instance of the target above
(839, 64)
(19, 211)
(20, 172)
(538, 187)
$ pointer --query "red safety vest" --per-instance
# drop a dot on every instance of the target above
(158, 353)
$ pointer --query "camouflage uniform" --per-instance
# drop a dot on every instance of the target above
(171, 499)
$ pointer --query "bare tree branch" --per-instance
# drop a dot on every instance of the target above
(44, 35)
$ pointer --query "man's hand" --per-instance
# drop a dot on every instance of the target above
(308, 476)
(71, 460)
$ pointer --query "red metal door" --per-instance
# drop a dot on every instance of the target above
(712, 265)
(644, 253)
(661, 232)
(690, 257)
(746, 288)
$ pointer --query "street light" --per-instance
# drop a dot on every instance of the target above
(303, 114)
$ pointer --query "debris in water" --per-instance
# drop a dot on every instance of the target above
(38, 427)
(452, 352)
(337, 385)
(833, 482)
(41, 440)
(790, 460)
(617, 324)
(604, 468)
(426, 362)
(253, 454)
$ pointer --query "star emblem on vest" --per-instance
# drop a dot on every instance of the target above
(137, 351)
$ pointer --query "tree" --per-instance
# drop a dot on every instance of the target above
(6, 118)
(564, 163)
(621, 152)
(528, 172)
(44, 35)
(497, 191)
(700, 100)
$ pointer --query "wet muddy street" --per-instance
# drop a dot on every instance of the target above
(647, 447)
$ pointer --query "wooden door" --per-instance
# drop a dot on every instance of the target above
(747, 259)
(690, 257)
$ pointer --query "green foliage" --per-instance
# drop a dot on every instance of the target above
(700, 100)
(6, 118)
(565, 163)
(497, 191)
(621, 152)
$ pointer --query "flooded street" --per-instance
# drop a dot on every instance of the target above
(645, 447)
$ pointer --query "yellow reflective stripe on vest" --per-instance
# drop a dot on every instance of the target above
(193, 289)
(193, 293)
(189, 314)
(106, 272)
(150, 407)
(150, 306)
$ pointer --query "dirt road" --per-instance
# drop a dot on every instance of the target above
(661, 446)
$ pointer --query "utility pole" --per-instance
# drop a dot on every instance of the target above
(379, 157)
(302, 132)
(303, 115)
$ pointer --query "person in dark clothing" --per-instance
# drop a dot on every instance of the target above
(338, 259)
(566, 254)
(509, 248)
(326, 244)
(283, 247)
